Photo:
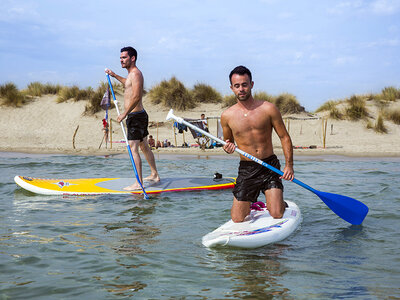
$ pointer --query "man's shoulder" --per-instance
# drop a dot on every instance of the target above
(135, 73)
(134, 77)
(229, 111)
(267, 105)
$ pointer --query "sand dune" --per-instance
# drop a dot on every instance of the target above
(44, 126)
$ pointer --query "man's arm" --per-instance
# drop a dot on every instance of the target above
(286, 141)
(133, 91)
(229, 147)
(119, 78)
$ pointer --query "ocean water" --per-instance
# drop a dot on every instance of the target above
(125, 247)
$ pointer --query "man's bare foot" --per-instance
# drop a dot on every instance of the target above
(153, 178)
(134, 187)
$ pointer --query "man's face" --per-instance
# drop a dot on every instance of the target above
(241, 86)
(126, 61)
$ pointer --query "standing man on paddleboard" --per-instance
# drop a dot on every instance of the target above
(249, 123)
(136, 117)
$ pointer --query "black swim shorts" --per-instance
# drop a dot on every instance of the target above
(253, 178)
(136, 124)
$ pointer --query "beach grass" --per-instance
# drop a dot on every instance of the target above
(74, 92)
(327, 106)
(172, 93)
(379, 125)
(392, 115)
(260, 95)
(37, 89)
(288, 104)
(204, 93)
(228, 100)
(93, 105)
(390, 93)
(357, 109)
(11, 96)
(285, 102)
(94, 101)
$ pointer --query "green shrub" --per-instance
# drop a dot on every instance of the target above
(38, 89)
(11, 95)
(74, 92)
(34, 89)
(379, 125)
(93, 105)
(203, 93)
(327, 106)
(356, 109)
(390, 93)
(229, 100)
(331, 107)
(335, 114)
(264, 96)
(172, 93)
(393, 115)
(288, 104)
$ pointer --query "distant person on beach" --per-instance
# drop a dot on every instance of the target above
(204, 121)
(137, 118)
(105, 130)
(152, 142)
(249, 123)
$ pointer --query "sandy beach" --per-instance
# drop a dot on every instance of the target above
(45, 126)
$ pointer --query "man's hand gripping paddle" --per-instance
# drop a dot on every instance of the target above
(349, 209)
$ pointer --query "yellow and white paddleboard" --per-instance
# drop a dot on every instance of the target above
(93, 186)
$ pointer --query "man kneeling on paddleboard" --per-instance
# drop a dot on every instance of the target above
(249, 123)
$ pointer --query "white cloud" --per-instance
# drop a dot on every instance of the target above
(14, 11)
(346, 6)
(385, 43)
(378, 7)
(385, 7)
(344, 60)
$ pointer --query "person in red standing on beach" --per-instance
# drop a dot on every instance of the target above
(249, 123)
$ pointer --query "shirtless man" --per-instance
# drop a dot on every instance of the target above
(136, 117)
(249, 123)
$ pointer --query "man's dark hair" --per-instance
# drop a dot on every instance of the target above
(131, 51)
(241, 70)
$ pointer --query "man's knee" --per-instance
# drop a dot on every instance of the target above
(238, 218)
(276, 214)
(134, 144)
(240, 210)
(144, 147)
(276, 211)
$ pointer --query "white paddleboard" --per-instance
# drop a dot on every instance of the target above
(259, 230)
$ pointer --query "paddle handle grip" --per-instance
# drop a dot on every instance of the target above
(245, 154)
(126, 139)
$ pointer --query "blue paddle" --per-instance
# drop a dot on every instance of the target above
(349, 209)
(126, 139)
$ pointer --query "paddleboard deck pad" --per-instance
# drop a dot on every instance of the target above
(258, 230)
(93, 186)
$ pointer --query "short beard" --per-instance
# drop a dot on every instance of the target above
(244, 99)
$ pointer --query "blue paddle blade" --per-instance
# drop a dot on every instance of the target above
(349, 209)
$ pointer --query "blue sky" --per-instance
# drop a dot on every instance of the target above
(317, 50)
